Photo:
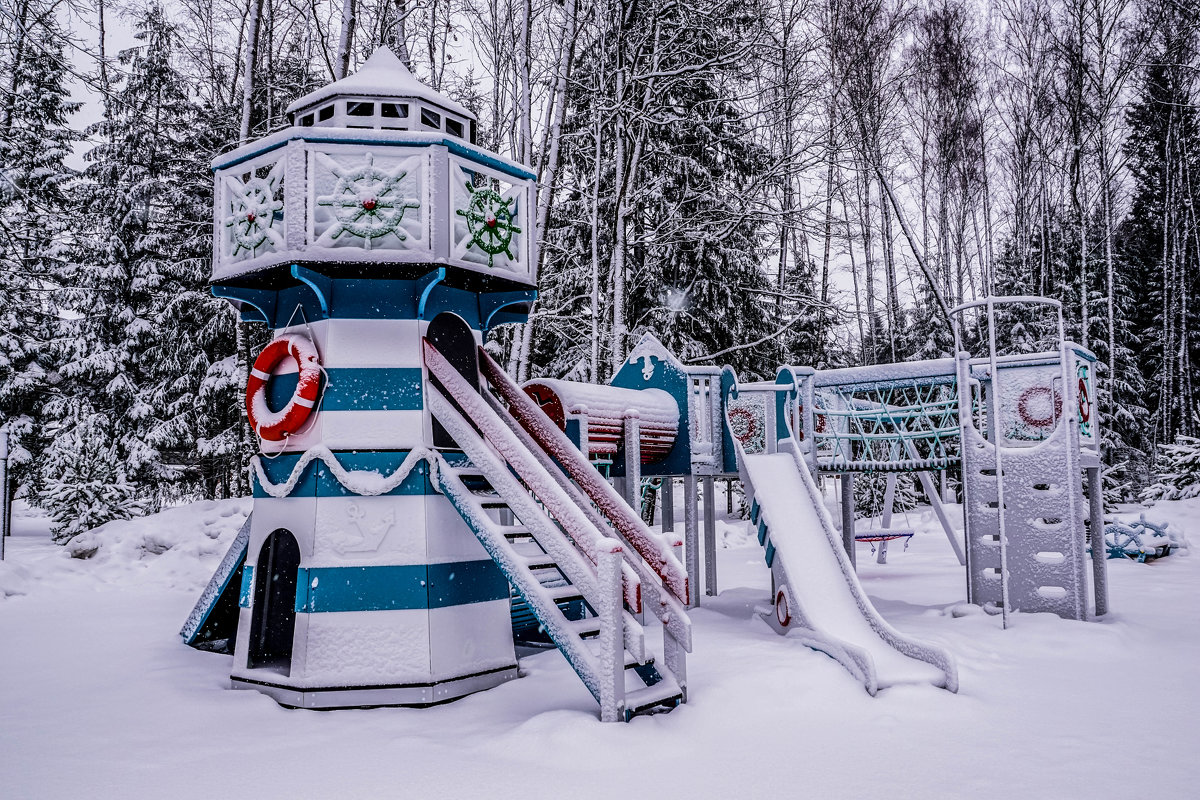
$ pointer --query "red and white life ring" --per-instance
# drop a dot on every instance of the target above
(783, 611)
(275, 426)
(1039, 406)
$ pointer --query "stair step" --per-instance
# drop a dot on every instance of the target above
(491, 501)
(517, 533)
(666, 694)
(540, 561)
(586, 628)
(564, 594)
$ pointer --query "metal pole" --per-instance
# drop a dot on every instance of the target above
(1099, 546)
(668, 504)
(691, 540)
(885, 519)
(5, 517)
(848, 515)
(710, 536)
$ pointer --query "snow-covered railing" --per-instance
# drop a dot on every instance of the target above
(653, 548)
(590, 540)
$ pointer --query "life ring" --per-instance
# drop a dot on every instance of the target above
(1036, 393)
(783, 613)
(743, 424)
(1085, 402)
(275, 426)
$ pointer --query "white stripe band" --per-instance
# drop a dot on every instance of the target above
(258, 373)
(303, 401)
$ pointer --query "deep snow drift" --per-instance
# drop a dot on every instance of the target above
(98, 697)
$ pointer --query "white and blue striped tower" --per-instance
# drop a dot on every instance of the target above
(371, 222)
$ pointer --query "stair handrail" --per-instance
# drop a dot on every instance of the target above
(591, 542)
(670, 612)
(629, 526)
(603, 673)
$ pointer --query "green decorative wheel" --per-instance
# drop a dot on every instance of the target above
(251, 212)
(367, 201)
(490, 222)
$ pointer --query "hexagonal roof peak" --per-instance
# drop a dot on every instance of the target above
(382, 75)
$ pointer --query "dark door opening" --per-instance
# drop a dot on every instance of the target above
(273, 622)
(454, 339)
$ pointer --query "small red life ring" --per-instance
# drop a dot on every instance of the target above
(743, 425)
(275, 426)
(783, 614)
(1085, 402)
(1036, 393)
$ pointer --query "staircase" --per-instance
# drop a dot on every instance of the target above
(561, 546)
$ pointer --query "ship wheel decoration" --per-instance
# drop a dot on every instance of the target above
(367, 201)
(490, 221)
(251, 211)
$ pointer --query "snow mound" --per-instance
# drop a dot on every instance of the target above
(14, 579)
(179, 545)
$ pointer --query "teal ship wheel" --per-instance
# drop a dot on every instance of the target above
(490, 222)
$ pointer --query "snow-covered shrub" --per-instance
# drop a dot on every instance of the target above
(869, 490)
(85, 485)
(1180, 477)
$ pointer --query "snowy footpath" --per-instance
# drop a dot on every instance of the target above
(99, 699)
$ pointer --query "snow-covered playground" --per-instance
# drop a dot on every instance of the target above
(99, 699)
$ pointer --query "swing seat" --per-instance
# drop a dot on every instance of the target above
(884, 535)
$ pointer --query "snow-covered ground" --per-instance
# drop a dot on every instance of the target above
(98, 697)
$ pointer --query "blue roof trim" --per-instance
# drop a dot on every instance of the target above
(492, 303)
(247, 586)
(320, 285)
(427, 284)
(456, 147)
(391, 588)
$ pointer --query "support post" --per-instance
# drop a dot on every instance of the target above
(691, 540)
(931, 493)
(633, 460)
(668, 504)
(710, 536)
(5, 498)
(848, 515)
(1099, 546)
(885, 519)
(612, 638)
(729, 495)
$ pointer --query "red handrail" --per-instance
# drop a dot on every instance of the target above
(611, 505)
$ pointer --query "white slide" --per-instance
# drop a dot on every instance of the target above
(818, 597)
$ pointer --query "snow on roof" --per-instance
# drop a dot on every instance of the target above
(382, 75)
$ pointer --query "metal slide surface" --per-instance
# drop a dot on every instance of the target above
(825, 601)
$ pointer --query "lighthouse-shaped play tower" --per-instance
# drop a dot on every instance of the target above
(404, 489)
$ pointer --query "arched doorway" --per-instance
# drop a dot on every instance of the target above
(273, 622)
(455, 340)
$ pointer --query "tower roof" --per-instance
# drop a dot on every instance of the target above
(382, 75)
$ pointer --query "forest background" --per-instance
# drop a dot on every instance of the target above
(758, 182)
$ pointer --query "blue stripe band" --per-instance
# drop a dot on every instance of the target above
(390, 588)
(356, 389)
(318, 481)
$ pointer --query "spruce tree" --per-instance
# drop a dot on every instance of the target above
(36, 208)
